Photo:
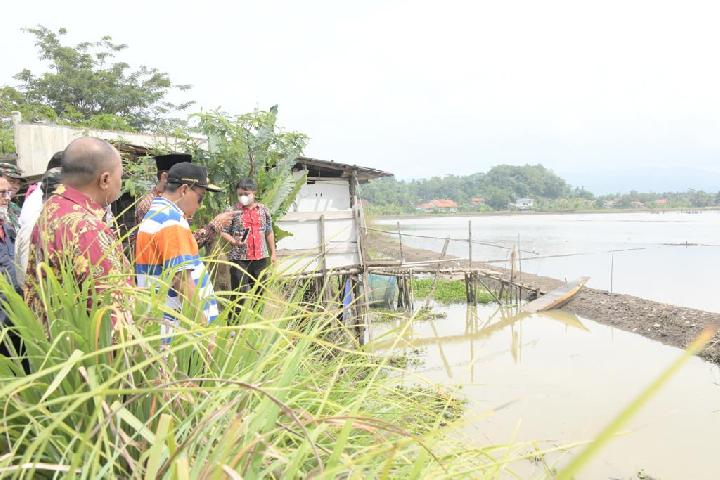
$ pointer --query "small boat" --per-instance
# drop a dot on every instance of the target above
(555, 298)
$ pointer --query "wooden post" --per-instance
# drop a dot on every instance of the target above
(437, 271)
(470, 243)
(326, 293)
(402, 256)
(411, 292)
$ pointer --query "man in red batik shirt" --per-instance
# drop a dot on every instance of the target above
(70, 232)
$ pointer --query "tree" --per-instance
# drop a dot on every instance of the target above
(86, 86)
(248, 145)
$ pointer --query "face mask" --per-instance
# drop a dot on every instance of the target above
(245, 200)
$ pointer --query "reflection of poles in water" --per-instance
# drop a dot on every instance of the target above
(431, 294)
(439, 342)
(471, 319)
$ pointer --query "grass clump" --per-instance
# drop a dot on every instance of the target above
(447, 291)
(261, 393)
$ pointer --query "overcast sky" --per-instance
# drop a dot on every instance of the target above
(609, 94)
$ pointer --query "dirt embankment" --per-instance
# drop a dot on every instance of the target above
(669, 324)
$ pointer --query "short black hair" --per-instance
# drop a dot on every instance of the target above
(55, 161)
(246, 183)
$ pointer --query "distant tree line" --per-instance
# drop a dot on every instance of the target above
(502, 185)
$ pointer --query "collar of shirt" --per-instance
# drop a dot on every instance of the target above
(240, 206)
(79, 198)
(164, 201)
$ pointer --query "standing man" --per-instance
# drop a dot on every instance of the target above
(14, 176)
(31, 209)
(12, 344)
(166, 251)
(71, 233)
(251, 235)
(164, 163)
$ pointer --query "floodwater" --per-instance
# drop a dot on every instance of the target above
(641, 254)
(556, 379)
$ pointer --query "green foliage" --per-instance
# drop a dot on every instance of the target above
(262, 395)
(86, 86)
(447, 291)
(140, 175)
(249, 145)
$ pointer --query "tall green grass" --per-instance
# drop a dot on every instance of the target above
(279, 390)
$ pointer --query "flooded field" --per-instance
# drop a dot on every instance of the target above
(555, 379)
(641, 254)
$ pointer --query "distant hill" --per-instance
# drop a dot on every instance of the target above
(501, 185)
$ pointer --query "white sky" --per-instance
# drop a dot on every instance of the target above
(597, 91)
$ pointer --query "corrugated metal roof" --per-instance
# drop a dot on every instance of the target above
(363, 173)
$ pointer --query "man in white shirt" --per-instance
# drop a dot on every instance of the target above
(32, 207)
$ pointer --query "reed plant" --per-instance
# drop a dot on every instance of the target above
(275, 389)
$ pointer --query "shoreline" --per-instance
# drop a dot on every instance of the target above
(669, 324)
(501, 213)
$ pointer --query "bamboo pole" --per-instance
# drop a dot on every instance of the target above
(437, 271)
(402, 256)
(470, 243)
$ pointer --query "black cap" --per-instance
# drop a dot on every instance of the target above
(188, 174)
(165, 162)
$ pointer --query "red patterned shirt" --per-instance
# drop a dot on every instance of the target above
(257, 220)
(71, 232)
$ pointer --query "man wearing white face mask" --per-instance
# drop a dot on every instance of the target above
(251, 235)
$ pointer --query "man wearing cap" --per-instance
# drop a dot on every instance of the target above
(166, 251)
(14, 176)
(164, 163)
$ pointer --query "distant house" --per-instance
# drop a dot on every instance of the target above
(637, 205)
(661, 202)
(610, 203)
(438, 205)
(524, 203)
(476, 201)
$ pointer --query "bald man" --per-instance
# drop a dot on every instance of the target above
(71, 233)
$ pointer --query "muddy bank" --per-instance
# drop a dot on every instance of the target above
(669, 324)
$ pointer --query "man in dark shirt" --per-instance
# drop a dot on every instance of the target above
(11, 345)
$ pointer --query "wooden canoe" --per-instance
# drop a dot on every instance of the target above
(555, 298)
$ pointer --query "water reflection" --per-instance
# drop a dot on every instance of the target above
(558, 379)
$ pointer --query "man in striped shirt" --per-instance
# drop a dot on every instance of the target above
(166, 251)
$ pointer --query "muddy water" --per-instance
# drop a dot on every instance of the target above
(556, 379)
(570, 246)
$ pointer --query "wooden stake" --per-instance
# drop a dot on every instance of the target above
(470, 243)
(402, 256)
(437, 271)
